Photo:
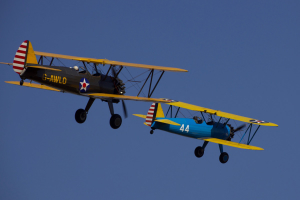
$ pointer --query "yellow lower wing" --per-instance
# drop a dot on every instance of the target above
(232, 144)
(33, 85)
(123, 97)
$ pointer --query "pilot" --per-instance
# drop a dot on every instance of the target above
(198, 120)
(76, 68)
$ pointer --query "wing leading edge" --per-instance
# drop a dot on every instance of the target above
(109, 62)
(220, 113)
(232, 144)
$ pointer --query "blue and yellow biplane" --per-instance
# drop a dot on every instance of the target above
(207, 129)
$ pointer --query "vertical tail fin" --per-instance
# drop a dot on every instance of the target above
(154, 111)
(24, 54)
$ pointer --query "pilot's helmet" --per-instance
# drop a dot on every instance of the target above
(76, 68)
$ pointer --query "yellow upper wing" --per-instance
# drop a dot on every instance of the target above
(232, 144)
(34, 85)
(220, 113)
(109, 62)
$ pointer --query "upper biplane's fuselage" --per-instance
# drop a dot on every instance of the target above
(71, 80)
(189, 128)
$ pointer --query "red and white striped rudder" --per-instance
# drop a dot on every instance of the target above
(150, 115)
(20, 58)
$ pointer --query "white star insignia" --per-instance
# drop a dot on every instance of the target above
(84, 85)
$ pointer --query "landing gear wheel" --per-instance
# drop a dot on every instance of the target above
(224, 157)
(80, 116)
(115, 121)
(21, 82)
(199, 152)
(151, 132)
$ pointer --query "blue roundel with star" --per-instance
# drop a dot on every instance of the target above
(84, 85)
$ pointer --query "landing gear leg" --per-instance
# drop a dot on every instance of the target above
(80, 115)
(224, 157)
(199, 151)
(21, 82)
(115, 120)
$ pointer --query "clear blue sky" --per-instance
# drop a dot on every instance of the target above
(242, 57)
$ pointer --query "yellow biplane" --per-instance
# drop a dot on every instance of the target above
(80, 81)
(212, 128)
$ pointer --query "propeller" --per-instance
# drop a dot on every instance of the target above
(232, 130)
(124, 109)
(239, 128)
(121, 83)
(114, 71)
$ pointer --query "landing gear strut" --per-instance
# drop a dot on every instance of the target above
(80, 115)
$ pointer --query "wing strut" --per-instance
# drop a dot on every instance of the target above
(41, 60)
(150, 92)
(170, 108)
(250, 129)
(177, 112)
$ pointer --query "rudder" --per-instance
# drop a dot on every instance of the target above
(154, 111)
(24, 54)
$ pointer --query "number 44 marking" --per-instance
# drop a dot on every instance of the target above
(187, 128)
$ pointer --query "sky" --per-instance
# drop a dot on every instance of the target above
(242, 58)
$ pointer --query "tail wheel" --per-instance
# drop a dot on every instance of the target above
(224, 157)
(115, 121)
(199, 152)
(80, 116)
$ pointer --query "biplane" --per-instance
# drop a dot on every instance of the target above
(108, 88)
(212, 128)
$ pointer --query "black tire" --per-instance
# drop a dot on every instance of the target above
(199, 152)
(115, 121)
(224, 157)
(80, 116)
(21, 82)
(151, 132)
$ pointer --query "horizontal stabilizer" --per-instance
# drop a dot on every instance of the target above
(139, 115)
(232, 144)
(4, 63)
(33, 66)
(42, 67)
(167, 121)
(33, 85)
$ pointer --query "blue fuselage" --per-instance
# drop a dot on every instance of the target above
(189, 128)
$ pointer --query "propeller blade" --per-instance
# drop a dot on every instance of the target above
(114, 71)
(239, 128)
(124, 109)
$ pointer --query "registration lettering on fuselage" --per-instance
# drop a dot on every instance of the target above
(55, 79)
